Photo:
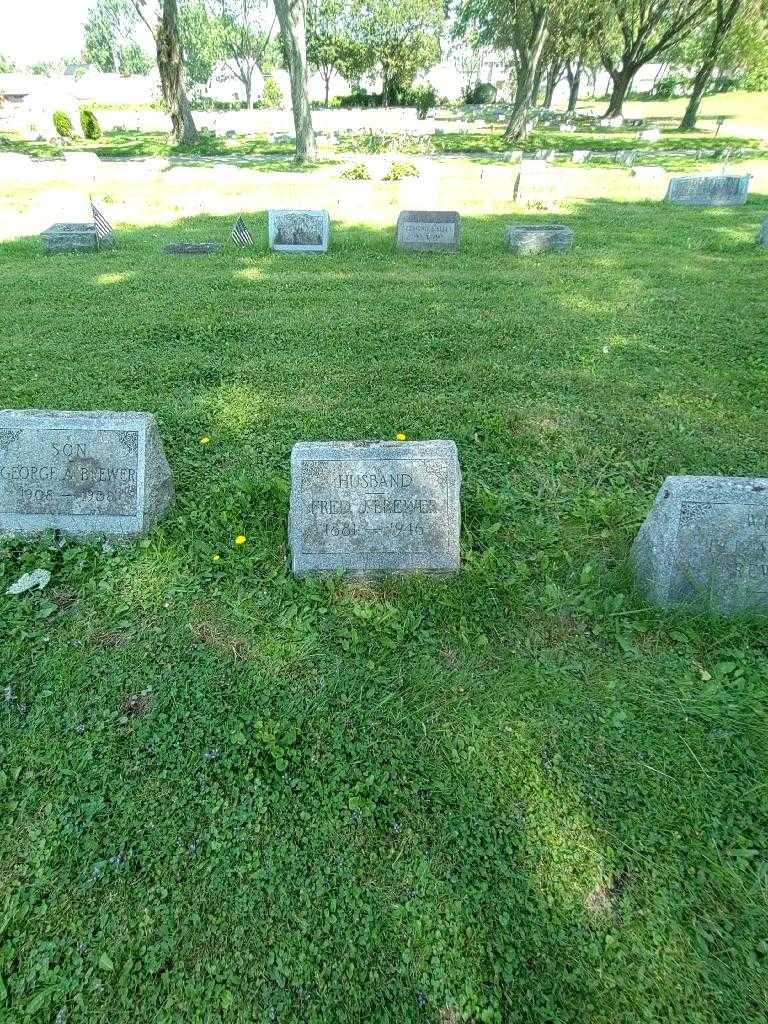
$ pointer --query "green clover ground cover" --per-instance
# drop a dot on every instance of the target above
(514, 795)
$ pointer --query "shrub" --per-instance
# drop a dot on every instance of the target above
(357, 172)
(360, 98)
(669, 85)
(62, 122)
(422, 97)
(90, 125)
(271, 95)
(401, 169)
(380, 142)
(480, 92)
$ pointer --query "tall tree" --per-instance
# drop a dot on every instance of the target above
(246, 38)
(292, 16)
(522, 29)
(401, 38)
(200, 41)
(163, 23)
(636, 32)
(713, 40)
(331, 46)
(110, 28)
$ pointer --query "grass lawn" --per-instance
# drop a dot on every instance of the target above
(515, 795)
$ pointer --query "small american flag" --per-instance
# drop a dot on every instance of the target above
(240, 233)
(104, 232)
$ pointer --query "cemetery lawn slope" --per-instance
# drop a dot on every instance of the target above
(516, 794)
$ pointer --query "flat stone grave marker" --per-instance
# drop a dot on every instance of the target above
(580, 156)
(85, 473)
(192, 248)
(428, 230)
(374, 507)
(763, 235)
(705, 545)
(299, 230)
(709, 190)
(649, 135)
(529, 239)
(70, 238)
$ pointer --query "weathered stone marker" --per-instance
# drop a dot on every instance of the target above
(763, 235)
(81, 472)
(705, 544)
(428, 230)
(373, 507)
(70, 238)
(192, 248)
(527, 239)
(709, 190)
(299, 230)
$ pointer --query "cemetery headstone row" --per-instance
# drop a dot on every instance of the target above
(367, 507)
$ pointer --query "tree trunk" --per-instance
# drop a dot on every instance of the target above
(726, 14)
(248, 90)
(700, 83)
(169, 63)
(553, 77)
(527, 81)
(622, 80)
(291, 15)
(574, 82)
(327, 79)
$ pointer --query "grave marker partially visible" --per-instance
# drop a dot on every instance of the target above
(704, 544)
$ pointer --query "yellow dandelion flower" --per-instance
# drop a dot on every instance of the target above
(240, 538)
(204, 440)
(400, 437)
(215, 558)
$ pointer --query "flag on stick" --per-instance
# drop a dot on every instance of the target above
(104, 233)
(240, 234)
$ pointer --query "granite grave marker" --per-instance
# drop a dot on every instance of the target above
(299, 230)
(428, 230)
(763, 235)
(709, 190)
(85, 473)
(70, 238)
(705, 545)
(373, 507)
(529, 239)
